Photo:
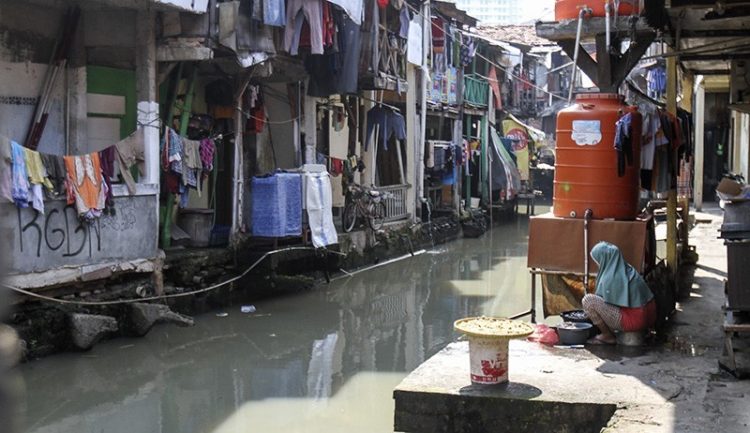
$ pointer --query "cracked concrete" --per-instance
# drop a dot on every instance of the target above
(676, 386)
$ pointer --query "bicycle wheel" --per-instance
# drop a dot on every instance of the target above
(349, 217)
(377, 215)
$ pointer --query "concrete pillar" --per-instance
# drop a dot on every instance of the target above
(77, 102)
(309, 128)
(148, 108)
(699, 113)
(368, 156)
(413, 154)
(742, 144)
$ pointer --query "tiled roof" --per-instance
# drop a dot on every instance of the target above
(514, 34)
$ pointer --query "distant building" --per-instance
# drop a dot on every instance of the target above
(508, 11)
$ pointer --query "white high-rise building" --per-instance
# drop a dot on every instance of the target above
(508, 11)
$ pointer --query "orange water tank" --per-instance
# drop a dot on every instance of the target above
(586, 174)
(569, 9)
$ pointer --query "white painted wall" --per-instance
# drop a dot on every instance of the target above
(743, 148)
(24, 80)
(281, 134)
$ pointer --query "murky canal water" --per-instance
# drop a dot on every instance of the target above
(320, 361)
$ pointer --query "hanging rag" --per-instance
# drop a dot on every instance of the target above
(404, 21)
(319, 204)
(86, 187)
(6, 169)
(353, 9)
(298, 12)
(107, 161)
(192, 164)
(37, 177)
(624, 143)
(55, 166)
(207, 151)
(129, 153)
(389, 123)
(273, 12)
(337, 166)
(20, 179)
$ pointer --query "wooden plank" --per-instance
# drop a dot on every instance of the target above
(736, 327)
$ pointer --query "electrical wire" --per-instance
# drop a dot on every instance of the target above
(173, 295)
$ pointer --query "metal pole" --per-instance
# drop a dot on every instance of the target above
(586, 218)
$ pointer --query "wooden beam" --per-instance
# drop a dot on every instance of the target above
(713, 33)
(709, 71)
(604, 63)
(585, 61)
(625, 64)
(715, 56)
(672, 261)
(566, 29)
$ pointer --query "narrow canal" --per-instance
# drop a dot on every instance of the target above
(326, 360)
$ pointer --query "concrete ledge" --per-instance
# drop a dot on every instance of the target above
(83, 273)
(559, 390)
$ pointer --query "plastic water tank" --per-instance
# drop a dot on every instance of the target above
(569, 9)
(586, 175)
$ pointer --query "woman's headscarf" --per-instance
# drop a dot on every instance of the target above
(618, 282)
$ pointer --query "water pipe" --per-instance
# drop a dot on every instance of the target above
(582, 13)
(586, 218)
(607, 12)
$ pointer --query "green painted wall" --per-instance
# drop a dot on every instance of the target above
(120, 82)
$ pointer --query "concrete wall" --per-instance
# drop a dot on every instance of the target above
(27, 39)
(57, 241)
(36, 243)
(281, 135)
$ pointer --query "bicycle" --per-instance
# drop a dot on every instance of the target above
(365, 203)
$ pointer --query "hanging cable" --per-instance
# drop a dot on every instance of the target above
(173, 295)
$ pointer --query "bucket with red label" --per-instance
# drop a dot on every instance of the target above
(489, 339)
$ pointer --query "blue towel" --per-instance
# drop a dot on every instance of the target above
(277, 205)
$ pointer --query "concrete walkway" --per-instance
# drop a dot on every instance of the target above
(677, 387)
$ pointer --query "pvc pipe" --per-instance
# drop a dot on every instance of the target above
(607, 7)
(586, 218)
(377, 265)
(581, 14)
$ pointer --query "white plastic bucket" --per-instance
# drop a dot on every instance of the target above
(488, 358)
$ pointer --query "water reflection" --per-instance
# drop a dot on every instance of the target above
(324, 360)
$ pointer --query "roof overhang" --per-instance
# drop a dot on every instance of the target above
(708, 35)
(450, 10)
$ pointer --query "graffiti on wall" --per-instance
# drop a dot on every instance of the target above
(60, 231)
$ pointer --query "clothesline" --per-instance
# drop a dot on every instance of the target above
(502, 68)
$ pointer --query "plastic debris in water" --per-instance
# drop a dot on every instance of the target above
(248, 309)
(222, 314)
